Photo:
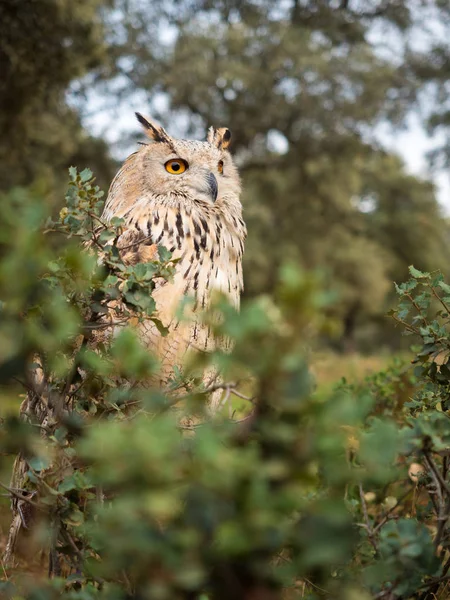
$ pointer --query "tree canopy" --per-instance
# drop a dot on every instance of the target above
(303, 85)
(45, 46)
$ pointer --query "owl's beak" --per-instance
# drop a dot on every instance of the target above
(212, 185)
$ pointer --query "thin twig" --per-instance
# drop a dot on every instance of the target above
(136, 243)
(366, 518)
(385, 518)
(105, 325)
(197, 425)
(20, 496)
(443, 518)
(127, 582)
(70, 539)
(446, 566)
(231, 386)
(444, 507)
(417, 307)
(240, 395)
(313, 585)
(436, 471)
(226, 398)
(437, 486)
(74, 369)
(30, 388)
(435, 581)
(405, 324)
(436, 295)
(4, 570)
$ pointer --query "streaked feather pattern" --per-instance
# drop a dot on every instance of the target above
(206, 236)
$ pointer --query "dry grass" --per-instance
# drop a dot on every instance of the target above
(329, 368)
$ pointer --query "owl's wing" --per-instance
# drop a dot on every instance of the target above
(135, 247)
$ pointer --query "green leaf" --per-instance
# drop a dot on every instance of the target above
(417, 274)
(164, 254)
(54, 266)
(85, 175)
(76, 481)
(444, 286)
(163, 330)
(74, 518)
(39, 463)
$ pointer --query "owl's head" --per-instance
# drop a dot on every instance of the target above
(175, 168)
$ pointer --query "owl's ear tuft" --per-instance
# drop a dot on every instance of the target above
(154, 132)
(219, 137)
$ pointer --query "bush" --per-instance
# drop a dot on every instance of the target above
(138, 493)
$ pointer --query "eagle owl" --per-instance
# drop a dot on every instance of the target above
(184, 195)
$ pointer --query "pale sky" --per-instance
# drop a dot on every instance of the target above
(412, 144)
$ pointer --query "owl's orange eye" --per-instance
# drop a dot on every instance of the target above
(220, 166)
(176, 166)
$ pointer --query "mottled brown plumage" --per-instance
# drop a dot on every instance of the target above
(197, 215)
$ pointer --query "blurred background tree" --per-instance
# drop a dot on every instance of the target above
(303, 85)
(44, 46)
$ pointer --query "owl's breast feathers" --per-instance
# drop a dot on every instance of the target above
(207, 240)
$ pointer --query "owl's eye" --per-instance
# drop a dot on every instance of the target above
(220, 166)
(176, 166)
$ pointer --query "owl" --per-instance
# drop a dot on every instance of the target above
(185, 196)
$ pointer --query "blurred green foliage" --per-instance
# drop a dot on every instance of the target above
(131, 497)
(137, 494)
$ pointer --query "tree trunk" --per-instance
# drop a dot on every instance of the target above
(348, 343)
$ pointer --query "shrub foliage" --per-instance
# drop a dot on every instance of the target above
(137, 493)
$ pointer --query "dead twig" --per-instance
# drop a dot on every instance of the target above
(432, 466)
(443, 505)
(19, 495)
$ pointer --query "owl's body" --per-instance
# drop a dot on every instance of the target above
(183, 195)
